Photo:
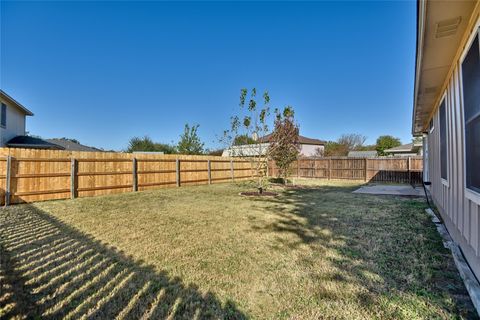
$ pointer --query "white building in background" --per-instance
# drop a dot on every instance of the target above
(308, 148)
(406, 150)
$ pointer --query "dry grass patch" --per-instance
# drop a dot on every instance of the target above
(206, 252)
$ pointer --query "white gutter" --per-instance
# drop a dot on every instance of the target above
(422, 4)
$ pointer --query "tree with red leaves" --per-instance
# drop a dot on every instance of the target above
(284, 146)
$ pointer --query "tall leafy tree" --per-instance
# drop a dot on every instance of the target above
(190, 142)
(352, 141)
(284, 145)
(165, 148)
(345, 143)
(148, 145)
(243, 139)
(335, 149)
(141, 144)
(386, 142)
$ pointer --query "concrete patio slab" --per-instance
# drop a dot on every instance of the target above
(396, 190)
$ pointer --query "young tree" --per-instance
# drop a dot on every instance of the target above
(190, 141)
(251, 121)
(284, 147)
(386, 142)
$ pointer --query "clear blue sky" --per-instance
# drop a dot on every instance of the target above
(102, 72)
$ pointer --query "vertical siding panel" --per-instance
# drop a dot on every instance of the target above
(450, 145)
(458, 175)
(475, 212)
(452, 158)
(474, 239)
(464, 216)
(460, 214)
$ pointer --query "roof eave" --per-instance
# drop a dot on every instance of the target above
(421, 4)
(33, 146)
(16, 103)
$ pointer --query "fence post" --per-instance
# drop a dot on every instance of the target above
(7, 180)
(366, 166)
(209, 166)
(408, 171)
(231, 170)
(177, 168)
(134, 175)
(73, 178)
(329, 168)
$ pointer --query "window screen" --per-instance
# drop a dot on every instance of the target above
(443, 140)
(3, 120)
(471, 106)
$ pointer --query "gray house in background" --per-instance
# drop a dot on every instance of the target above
(72, 145)
(406, 150)
(12, 118)
(362, 154)
(52, 144)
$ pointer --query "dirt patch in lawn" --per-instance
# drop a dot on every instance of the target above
(258, 194)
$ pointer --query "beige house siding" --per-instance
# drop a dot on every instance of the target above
(15, 125)
(459, 211)
(311, 150)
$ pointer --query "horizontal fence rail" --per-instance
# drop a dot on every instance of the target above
(29, 175)
(383, 169)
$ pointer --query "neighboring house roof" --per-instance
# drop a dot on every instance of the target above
(441, 26)
(70, 145)
(301, 140)
(31, 142)
(362, 154)
(409, 147)
(15, 103)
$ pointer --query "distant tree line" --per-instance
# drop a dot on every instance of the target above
(356, 142)
(189, 143)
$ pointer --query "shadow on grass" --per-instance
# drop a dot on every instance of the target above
(50, 270)
(385, 246)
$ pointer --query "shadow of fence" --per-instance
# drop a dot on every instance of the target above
(411, 177)
(50, 270)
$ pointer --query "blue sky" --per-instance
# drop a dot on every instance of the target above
(102, 72)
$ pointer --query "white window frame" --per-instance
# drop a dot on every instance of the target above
(469, 193)
(444, 99)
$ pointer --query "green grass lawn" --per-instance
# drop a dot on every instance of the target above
(206, 252)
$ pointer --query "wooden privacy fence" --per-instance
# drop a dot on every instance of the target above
(384, 169)
(28, 175)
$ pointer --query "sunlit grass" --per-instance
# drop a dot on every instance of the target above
(206, 252)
